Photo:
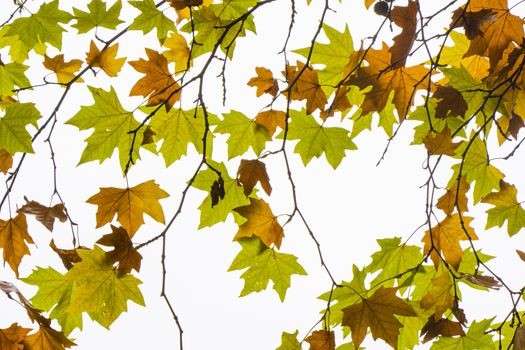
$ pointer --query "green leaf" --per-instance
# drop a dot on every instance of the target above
(387, 118)
(54, 292)
(41, 27)
(264, 264)
(244, 133)
(474, 339)
(289, 341)
(112, 124)
(151, 17)
(11, 75)
(13, 134)
(315, 139)
(97, 16)
(233, 197)
(506, 208)
(179, 129)
(99, 290)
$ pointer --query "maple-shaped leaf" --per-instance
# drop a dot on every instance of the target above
(377, 313)
(244, 132)
(506, 208)
(158, 83)
(252, 171)
(111, 124)
(447, 202)
(106, 60)
(13, 238)
(264, 82)
(11, 338)
(13, 134)
(482, 281)
(450, 102)
(68, 256)
(46, 215)
(129, 204)
(260, 222)
(124, 253)
(445, 237)
(305, 87)
(46, 338)
(440, 297)
(477, 337)
(340, 103)
(97, 16)
(289, 341)
(6, 161)
(264, 264)
(321, 340)
(151, 18)
(179, 51)
(404, 81)
(315, 139)
(271, 119)
(11, 76)
(233, 196)
(43, 26)
(440, 143)
(473, 21)
(65, 71)
(443, 327)
(404, 17)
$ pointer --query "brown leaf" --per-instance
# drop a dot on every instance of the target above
(68, 256)
(217, 191)
(306, 87)
(519, 338)
(447, 202)
(46, 338)
(440, 296)
(459, 314)
(450, 102)
(340, 103)
(124, 254)
(441, 143)
(515, 125)
(252, 171)
(45, 215)
(472, 21)
(6, 161)
(406, 18)
(260, 222)
(13, 238)
(321, 340)
(264, 82)
(181, 4)
(11, 338)
(148, 136)
(443, 327)
(521, 254)
(483, 281)
(271, 120)
(158, 82)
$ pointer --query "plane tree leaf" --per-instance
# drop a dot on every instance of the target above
(13, 238)
(150, 18)
(106, 60)
(12, 75)
(289, 341)
(321, 340)
(252, 171)
(46, 338)
(506, 208)
(45, 215)
(11, 338)
(260, 222)
(13, 134)
(98, 15)
(123, 252)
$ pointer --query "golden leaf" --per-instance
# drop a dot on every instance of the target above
(13, 238)
(252, 171)
(65, 71)
(107, 60)
(264, 82)
(271, 120)
(260, 222)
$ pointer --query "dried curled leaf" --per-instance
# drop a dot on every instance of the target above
(252, 171)
(45, 215)
(124, 253)
(483, 281)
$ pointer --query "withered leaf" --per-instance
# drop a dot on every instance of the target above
(406, 18)
(472, 21)
(519, 338)
(252, 171)
(306, 87)
(271, 120)
(442, 326)
(11, 338)
(46, 338)
(447, 202)
(450, 102)
(264, 82)
(339, 104)
(124, 254)
(217, 191)
(182, 4)
(68, 256)
(6, 161)
(521, 254)
(321, 340)
(45, 215)
(441, 143)
(483, 281)
(13, 238)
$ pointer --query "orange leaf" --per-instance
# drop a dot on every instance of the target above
(321, 340)
(107, 60)
(406, 18)
(260, 222)
(13, 238)
(157, 83)
(6, 161)
(377, 313)
(340, 103)
(441, 143)
(447, 202)
(271, 120)
(45, 215)
(130, 204)
(11, 338)
(306, 87)
(445, 238)
(46, 338)
(264, 82)
(252, 171)
(65, 71)
(68, 256)
(125, 254)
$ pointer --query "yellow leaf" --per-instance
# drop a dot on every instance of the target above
(6, 161)
(65, 71)
(252, 171)
(13, 238)
(106, 60)
(178, 52)
(130, 205)
(260, 222)
(447, 202)
(445, 238)
(271, 120)
(264, 82)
